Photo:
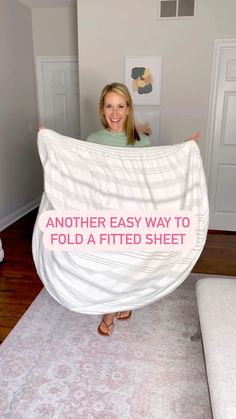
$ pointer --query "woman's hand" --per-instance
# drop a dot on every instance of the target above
(195, 136)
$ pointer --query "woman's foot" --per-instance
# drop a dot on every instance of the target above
(123, 315)
(106, 326)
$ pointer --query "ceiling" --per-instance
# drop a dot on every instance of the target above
(48, 3)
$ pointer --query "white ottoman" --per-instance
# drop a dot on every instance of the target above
(216, 298)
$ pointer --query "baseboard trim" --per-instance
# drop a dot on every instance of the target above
(221, 232)
(15, 215)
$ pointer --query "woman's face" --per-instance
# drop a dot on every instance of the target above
(115, 111)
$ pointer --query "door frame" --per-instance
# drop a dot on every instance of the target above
(219, 45)
(39, 61)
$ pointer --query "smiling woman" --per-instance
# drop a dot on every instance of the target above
(117, 118)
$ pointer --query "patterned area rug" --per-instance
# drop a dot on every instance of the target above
(54, 364)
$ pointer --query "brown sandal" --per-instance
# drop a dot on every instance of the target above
(125, 317)
(100, 331)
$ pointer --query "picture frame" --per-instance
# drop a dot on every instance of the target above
(147, 121)
(142, 76)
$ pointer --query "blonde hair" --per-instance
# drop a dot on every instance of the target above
(129, 128)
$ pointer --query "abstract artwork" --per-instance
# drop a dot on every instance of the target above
(143, 79)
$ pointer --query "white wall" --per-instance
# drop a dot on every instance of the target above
(55, 31)
(20, 169)
(110, 30)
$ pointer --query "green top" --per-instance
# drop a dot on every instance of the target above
(116, 139)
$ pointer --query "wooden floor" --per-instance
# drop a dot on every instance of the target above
(19, 284)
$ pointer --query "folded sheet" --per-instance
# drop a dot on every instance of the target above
(84, 176)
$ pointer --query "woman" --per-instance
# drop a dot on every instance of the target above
(116, 114)
(117, 118)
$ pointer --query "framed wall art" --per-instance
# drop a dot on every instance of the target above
(143, 79)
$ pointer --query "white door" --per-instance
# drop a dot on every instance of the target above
(58, 93)
(221, 138)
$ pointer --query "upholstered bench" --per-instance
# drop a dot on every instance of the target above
(216, 298)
